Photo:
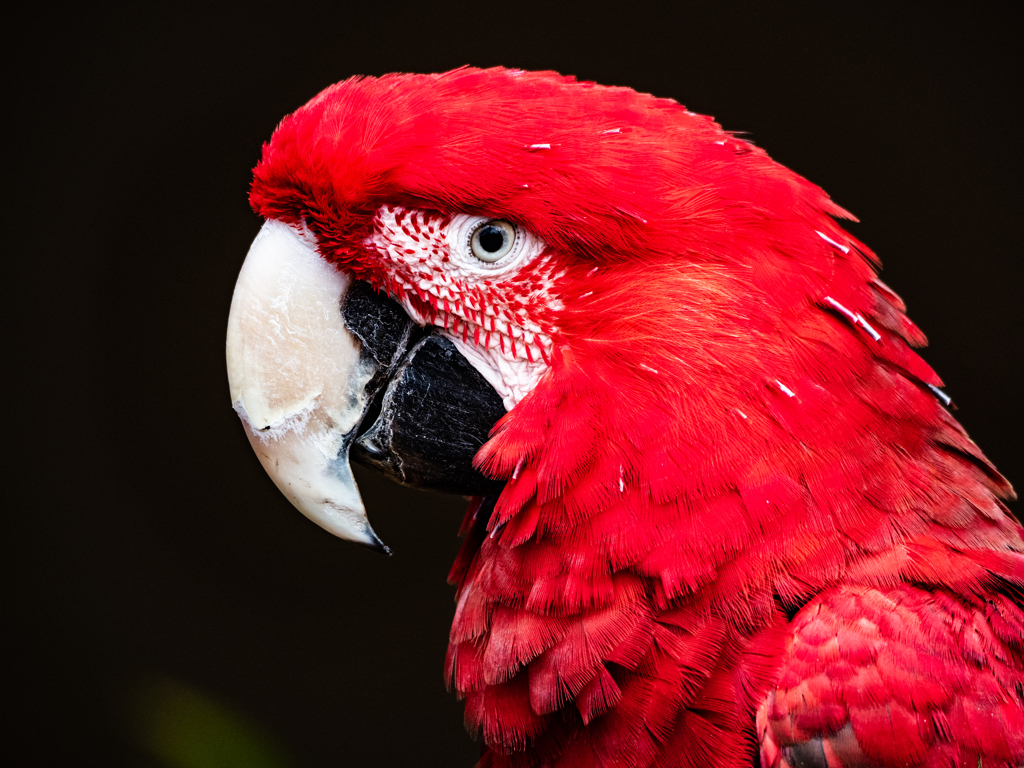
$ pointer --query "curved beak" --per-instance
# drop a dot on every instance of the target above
(297, 378)
(311, 352)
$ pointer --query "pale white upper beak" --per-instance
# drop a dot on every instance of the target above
(297, 379)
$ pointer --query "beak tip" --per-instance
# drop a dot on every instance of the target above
(381, 548)
(372, 541)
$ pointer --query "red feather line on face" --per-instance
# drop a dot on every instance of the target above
(512, 311)
(721, 439)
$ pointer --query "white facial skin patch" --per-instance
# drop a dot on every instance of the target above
(487, 283)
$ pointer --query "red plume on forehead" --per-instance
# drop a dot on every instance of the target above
(588, 168)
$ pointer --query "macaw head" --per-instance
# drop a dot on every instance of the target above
(641, 301)
(686, 401)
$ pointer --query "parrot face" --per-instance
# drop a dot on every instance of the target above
(485, 284)
(720, 511)
(488, 284)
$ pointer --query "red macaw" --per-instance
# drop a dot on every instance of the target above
(724, 516)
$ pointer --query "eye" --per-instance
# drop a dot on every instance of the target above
(492, 240)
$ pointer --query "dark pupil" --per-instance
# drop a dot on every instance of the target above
(492, 238)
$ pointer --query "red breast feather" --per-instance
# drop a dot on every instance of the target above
(733, 426)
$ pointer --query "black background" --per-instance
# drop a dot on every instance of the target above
(143, 541)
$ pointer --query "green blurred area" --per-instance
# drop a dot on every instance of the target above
(183, 727)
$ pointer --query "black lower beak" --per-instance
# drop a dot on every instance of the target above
(432, 410)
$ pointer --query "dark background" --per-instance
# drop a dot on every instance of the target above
(163, 598)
